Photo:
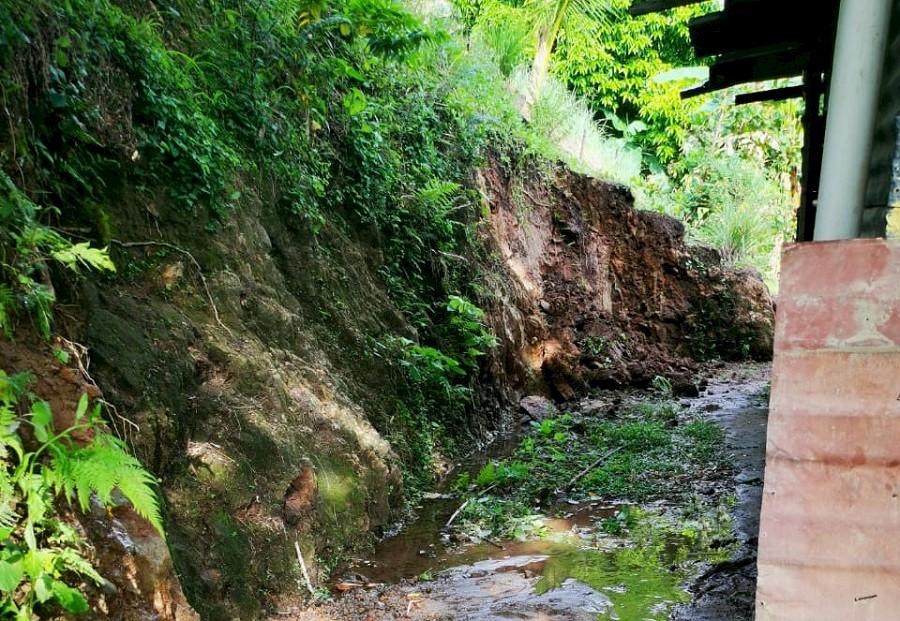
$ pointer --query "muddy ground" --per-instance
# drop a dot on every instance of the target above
(500, 585)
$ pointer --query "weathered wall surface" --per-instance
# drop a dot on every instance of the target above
(831, 502)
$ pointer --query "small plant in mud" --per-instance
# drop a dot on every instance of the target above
(489, 516)
(595, 346)
(40, 555)
(662, 385)
(642, 455)
(620, 522)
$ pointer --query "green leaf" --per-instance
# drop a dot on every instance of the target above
(355, 102)
(11, 575)
(41, 419)
(69, 598)
(81, 408)
(355, 74)
(43, 587)
(40, 432)
(32, 544)
(96, 258)
(41, 414)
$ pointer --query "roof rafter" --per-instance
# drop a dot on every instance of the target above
(655, 6)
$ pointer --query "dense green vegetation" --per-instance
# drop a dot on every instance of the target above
(646, 452)
(349, 115)
(40, 553)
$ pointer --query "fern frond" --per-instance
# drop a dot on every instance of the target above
(102, 467)
(71, 560)
(8, 500)
(138, 488)
(437, 194)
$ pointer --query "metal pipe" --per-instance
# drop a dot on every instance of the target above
(852, 104)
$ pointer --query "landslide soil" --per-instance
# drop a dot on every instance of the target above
(608, 296)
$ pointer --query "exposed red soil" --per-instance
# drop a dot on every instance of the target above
(609, 296)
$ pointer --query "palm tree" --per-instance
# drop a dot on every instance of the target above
(548, 17)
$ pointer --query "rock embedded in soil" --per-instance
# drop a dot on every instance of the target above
(534, 409)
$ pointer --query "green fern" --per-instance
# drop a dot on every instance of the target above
(100, 468)
(38, 552)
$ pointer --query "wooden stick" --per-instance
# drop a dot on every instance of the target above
(491, 541)
(455, 513)
(309, 585)
(463, 505)
(581, 474)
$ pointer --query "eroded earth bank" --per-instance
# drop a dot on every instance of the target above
(264, 396)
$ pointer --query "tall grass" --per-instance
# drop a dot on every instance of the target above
(568, 126)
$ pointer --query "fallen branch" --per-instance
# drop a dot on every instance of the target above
(463, 505)
(490, 541)
(584, 472)
(309, 585)
(455, 514)
(145, 244)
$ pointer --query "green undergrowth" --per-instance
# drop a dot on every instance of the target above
(648, 451)
(348, 119)
(45, 560)
(640, 556)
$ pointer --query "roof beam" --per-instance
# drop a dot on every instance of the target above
(720, 33)
(773, 94)
(655, 6)
(756, 66)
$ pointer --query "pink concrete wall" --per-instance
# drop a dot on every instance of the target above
(829, 546)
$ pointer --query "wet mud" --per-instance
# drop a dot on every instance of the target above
(739, 404)
(575, 571)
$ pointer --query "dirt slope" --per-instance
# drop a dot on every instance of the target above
(610, 296)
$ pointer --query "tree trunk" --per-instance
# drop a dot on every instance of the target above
(539, 70)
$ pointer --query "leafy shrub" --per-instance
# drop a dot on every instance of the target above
(27, 247)
(39, 554)
(506, 33)
(563, 126)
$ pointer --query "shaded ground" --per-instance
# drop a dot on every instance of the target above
(740, 405)
(489, 584)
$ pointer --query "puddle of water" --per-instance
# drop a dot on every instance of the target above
(421, 546)
(637, 584)
(643, 579)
